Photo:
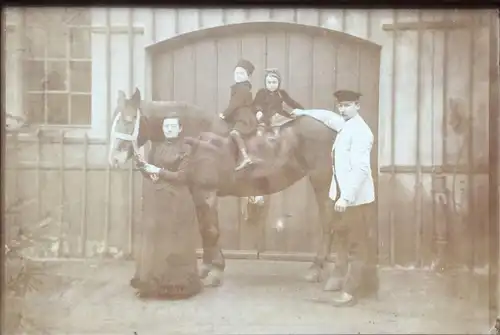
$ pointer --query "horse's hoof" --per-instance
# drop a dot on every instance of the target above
(204, 270)
(135, 282)
(313, 275)
(214, 278)
(333, 284)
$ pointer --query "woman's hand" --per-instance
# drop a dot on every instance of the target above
(151, 169)
(222, 116)
(259, 115)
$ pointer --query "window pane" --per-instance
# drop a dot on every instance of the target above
(34, 75)
(81, 109)
(57, 105)
(81, 76)
(80, 42)
(34, 108)
(56, 76)
(35, 41)
(56, 41)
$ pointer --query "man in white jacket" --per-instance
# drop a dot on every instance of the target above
(353, 195)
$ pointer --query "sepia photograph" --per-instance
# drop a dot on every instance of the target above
(253, 170)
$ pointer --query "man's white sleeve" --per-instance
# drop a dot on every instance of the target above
(331, 119)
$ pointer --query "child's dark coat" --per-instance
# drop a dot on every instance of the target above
(270, 103)
(240, 113)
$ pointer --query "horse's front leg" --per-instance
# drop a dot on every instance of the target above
(321, 189)
(213, 263)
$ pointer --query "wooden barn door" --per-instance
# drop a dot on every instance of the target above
(313, 63)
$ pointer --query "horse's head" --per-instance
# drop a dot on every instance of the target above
(124, 132)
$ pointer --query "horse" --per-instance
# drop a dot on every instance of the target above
(302, 149)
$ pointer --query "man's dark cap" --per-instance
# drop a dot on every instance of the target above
(346, 95)
(247, 65)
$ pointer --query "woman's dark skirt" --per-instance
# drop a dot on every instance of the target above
(166, 262)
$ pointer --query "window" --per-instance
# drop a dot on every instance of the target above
(58, 66)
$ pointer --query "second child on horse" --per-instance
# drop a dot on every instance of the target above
(269, 101)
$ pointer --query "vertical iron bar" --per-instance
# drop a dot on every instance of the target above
(263, 225)
(3, 149)
(286, 192)
(433, 132)
(45, 82)
(470, 155)
(83, 204)
(107, 204)
(310, 100)
(68, 74)
(38, 175)
(239, 199)
(17, 197)
(445, 92)
(494, 149)
(392, 232)
(131, 185)
(62, 237)
(418, 177)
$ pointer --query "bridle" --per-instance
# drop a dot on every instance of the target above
(126, 137)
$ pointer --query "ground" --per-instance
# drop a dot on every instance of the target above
(258, 297)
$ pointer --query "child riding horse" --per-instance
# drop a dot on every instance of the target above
(239, 114)
(269, 101)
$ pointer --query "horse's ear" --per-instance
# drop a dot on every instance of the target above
(121, 98)
(136, 98)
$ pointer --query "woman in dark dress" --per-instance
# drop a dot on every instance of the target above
(269, 101)
(167, 263)
(239, 113)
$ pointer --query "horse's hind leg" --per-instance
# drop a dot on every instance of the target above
(320, 182)
(213, 263)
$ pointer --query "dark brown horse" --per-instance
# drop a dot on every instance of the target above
(303, 149)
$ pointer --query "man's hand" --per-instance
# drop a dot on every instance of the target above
(340, 205)
(222, 116)
(259, 115)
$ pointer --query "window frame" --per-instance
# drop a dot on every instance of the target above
(69, 92)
